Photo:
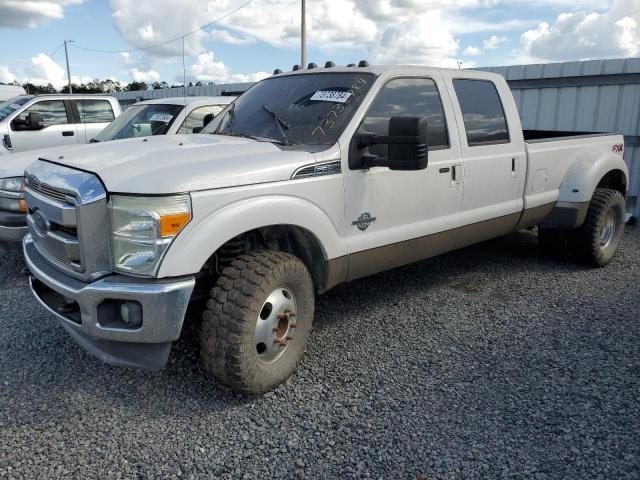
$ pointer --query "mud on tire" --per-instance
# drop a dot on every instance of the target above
(251, 339)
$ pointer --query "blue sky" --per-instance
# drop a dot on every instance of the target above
(264, 34)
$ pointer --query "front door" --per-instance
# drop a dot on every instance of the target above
(59, 128)
(397, 217)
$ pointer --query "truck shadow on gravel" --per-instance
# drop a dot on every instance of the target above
(52, 361)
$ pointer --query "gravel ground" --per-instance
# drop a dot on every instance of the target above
(489, 362)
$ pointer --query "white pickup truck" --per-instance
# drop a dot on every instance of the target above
(165, 116)
(309, 179)
(31, 122)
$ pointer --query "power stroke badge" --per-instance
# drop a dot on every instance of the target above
(364, 221)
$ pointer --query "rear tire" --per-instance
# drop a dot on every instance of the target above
(257, 321)
(597, 240)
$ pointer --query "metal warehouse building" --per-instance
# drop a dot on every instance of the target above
(587, 96)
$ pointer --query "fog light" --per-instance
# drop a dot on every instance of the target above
(131, 313)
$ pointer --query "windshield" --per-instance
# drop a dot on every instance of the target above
(310, 109)
(141, 121)
(11, 105)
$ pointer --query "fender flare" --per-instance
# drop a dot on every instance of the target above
(583, 176)
(203, 236)
(577, 188)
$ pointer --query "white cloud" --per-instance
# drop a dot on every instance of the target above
(423, 39)
(79, 80)
(372, 26)
(207, 69)
(31, 13)
(472, 51)
(582, 35)
(45, 71)
(227, 37)
(5, 75)
(126, 57)
(492, 42)
(146, 76)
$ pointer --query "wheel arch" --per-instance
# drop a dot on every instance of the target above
(289, 224)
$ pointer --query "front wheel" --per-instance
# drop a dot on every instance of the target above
(257, 321)
(597, 240)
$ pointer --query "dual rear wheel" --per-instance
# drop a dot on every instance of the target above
(597, 240)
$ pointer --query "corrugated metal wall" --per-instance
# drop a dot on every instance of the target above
(594, 96)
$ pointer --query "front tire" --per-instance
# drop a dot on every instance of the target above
(257, 321)
(597, 240)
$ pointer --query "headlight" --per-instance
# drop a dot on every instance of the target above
(12, 184)
(11, 195)
(142, 228)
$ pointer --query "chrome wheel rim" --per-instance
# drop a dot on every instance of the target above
(608, 229)
(275, 325)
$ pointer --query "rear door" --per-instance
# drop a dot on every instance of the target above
(493, 153)
(59, 127)
(92, 116)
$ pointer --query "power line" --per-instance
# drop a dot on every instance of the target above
(217, 20)
(50, 56)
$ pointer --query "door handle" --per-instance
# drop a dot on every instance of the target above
(514, 172)
(455, 172)
(444, 170)
(68, 133)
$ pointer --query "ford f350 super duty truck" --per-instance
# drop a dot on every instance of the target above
(309, 179)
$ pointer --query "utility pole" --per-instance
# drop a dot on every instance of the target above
(66, 54)
(303, 36)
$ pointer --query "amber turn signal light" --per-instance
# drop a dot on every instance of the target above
(171, 224)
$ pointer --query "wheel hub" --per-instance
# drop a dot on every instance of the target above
(608, 229)
(275, 325)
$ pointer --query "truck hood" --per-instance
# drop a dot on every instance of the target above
(14, 164)
(181, 163)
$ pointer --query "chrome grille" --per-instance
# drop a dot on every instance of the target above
(34, 184)
(68, 219)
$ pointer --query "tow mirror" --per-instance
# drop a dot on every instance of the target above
(407, 141)
(35, 121)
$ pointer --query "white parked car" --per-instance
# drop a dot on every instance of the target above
(309, 179)
(35, 122)
(167, 116)
(164, 116)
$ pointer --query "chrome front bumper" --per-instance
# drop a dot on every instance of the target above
(90, 312)
(13, 228)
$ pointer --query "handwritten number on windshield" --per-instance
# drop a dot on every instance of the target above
(337, 108)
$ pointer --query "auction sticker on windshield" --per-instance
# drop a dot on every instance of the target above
(331, 96)
(161, 117)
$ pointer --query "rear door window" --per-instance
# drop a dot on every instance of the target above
(484, 118)
(94, 111)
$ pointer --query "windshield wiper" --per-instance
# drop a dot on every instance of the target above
(281, 124)
(93, 140)
(230, 113)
